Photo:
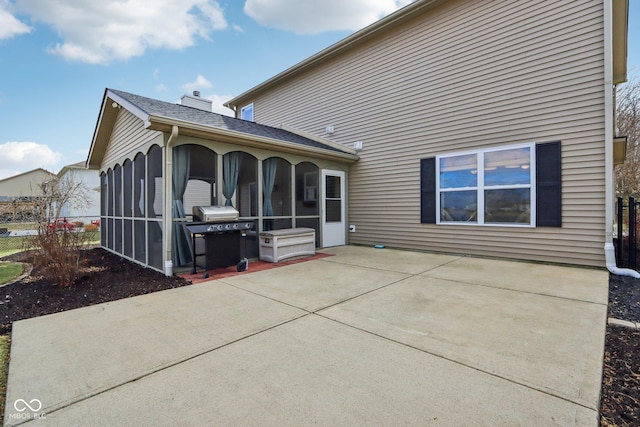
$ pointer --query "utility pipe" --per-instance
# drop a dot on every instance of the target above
(168, 202)
(609, 130)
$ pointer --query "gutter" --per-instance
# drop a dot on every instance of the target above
(609, 130)
(167, 217)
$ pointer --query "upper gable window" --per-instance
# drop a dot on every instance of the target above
(246, 112)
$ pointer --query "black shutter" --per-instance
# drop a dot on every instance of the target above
(428, 190)
(548, 185)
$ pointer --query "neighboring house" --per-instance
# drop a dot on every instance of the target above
(89, 211)
(472, 127)
(26, 184)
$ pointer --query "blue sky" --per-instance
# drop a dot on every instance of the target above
(56, 59)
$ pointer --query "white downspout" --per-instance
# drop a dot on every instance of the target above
(609, 131)
(168, 202)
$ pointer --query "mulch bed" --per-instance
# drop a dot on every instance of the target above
(620, 401)
(107, 277)
(104, 277)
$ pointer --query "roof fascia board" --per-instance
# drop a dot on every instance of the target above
(132, 108)
(89, 162)
(109, 96)
(353, 40)
(164, 124)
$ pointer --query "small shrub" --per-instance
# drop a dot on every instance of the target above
(90, 228)
(57, 248)
(58, 254)
(78, 224)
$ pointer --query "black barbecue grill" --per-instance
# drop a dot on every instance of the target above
(223, 234)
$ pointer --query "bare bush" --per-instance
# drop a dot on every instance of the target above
(627, 175)
(56, 246)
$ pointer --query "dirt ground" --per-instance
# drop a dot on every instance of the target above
(107, 277)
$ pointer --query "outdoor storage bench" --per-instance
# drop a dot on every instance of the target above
(277, 245)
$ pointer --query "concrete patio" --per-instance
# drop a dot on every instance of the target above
(364, 337)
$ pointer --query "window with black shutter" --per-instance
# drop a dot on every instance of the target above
(496, 186)
(549, 184)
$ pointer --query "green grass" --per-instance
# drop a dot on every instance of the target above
(9, 271)
(5, 347)
(14, 244)
(11, 245)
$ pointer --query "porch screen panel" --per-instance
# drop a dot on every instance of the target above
(154, 244)
(154, 183)
(117, 190)
(128, 238)
(110, 192)
(117, 235)
(108, 230)
(103, 208)
(139, 185)
(247, 187)
(127, 188)
(307, 178)
(277, 193)
(140, 240)
(181, 240)
(154, 207)
(307, 207)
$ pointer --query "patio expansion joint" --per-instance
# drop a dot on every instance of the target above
(314, 311)
(440, 356)
(335, 261)
(502, 288)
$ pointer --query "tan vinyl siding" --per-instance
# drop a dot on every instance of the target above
(465, 75)
(127, 138)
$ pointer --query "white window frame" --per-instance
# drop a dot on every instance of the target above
(480, 189)
(244, 110)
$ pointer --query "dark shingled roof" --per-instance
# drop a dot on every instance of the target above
(155, 107)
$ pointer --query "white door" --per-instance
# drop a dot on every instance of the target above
(333, 208)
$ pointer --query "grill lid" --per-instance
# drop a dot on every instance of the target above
(215, 213)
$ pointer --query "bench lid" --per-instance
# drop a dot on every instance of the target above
(287, 232)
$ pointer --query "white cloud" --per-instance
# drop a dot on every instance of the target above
(199, 83)
(28, 155)
(312, 17)
(218, 104)
(10, 26)
(102, 31)
(6, 173)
